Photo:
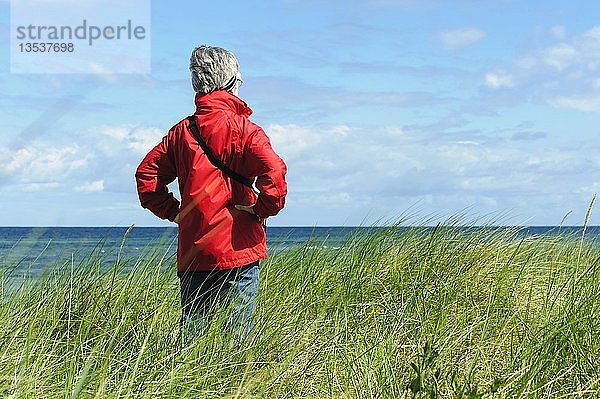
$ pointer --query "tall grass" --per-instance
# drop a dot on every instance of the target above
(448, 312)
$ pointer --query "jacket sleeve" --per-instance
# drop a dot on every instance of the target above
(262, 161)
(152, 176)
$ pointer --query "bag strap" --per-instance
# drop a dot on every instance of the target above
(212, 158)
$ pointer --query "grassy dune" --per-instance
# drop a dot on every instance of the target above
(443, 313)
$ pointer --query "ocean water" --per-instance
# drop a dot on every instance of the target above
(31, 249)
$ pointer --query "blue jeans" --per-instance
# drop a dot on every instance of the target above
(202, 292)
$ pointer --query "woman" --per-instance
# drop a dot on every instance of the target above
(221, 233)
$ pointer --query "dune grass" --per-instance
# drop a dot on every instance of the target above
(449, 312)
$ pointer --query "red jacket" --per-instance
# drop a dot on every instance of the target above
(212, 233)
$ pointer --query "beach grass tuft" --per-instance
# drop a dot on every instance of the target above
(453, 312)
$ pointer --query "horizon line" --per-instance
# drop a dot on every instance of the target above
(310, 226)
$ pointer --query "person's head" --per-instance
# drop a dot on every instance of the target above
(214, 68)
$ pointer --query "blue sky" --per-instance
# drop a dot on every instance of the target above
(379, 107)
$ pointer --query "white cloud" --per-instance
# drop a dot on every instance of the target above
(129, 137)
(467, 142)
(39, 161)
(118, 133)
(583, 103)
(457, 38)
(91, 187)
(580, 52)
(104, 74)
(498, 80)
(388, 168)
(103, 160)
(293, 141)
(12, 161)
(564, 74)
(560, 56)
(384, 172)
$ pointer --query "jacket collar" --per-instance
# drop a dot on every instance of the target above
(221, 99)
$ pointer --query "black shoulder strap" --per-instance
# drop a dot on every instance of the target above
(212, 158)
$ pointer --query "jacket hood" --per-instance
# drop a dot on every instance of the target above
(221, 99)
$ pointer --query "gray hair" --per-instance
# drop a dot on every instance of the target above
(213, 68)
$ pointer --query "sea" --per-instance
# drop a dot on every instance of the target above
(31, 249)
